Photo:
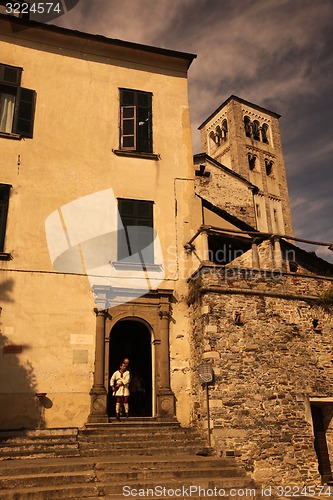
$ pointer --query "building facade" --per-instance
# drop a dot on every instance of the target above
(261, 307)
(116, 243)
(96, 182)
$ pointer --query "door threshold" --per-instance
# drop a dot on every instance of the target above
(134, 419)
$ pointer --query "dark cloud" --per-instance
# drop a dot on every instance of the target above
(276, 53)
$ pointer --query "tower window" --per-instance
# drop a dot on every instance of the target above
(275, 215)
(252, 161)
(218, 135)
(269, 167)
(247, 126)
(256, 130)
(224, 129)
(264, 133)
(212, 140)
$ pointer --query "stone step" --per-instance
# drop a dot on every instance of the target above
(225, 484)
(15, 441)
(167, 474)
(38, 445)
(23, 454)
(157, 451)
(40, 433)
(143, 442)
(136, 438)
(139, 421)
(107, 463)
(46, 466)
(54, 479)
(16, 476)
(50, 493)
(126, 476)
(121, 434)
(114, 489)
(134, 428)
(15, 447)
(39, 442)
(118, 435)
(34, 437)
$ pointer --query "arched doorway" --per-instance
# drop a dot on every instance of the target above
(130, 338)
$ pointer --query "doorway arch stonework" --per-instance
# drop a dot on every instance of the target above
(154, 309)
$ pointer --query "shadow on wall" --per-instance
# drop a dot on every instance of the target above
(21, 407)
(6, 288)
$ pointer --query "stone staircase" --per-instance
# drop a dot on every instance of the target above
(115, 461)
(138, 437)
(39, 443)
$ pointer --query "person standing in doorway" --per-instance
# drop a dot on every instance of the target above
(126, 363)
(119, 383)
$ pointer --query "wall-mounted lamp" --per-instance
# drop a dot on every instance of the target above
(40, 395)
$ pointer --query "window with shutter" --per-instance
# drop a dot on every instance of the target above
(136, 121)
(17, 104)
(4, 199)
(136, 233)
(25, 112)
(10, 75)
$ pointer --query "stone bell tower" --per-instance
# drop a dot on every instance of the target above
(246, 138)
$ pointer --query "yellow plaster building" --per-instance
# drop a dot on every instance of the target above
(95, 142)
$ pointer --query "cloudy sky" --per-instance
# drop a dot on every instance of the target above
(275, 53)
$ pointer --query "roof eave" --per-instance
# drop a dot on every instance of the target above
(188, 57)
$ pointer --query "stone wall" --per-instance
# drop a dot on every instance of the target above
(227, 191)
(268, 361)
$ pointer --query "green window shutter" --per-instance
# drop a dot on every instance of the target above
(25, 113)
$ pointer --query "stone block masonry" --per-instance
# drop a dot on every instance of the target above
(270, 359)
